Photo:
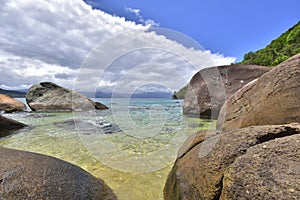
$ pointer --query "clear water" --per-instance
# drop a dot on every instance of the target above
(134, 162)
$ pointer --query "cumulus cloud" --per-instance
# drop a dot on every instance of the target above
(19, 72)
(138, 58)
(49, 40)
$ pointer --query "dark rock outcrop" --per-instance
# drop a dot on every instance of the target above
(270, 100)
(48, 96)
(209, 88)
(9, 105)
(25, 175)
(100, 106)
(8, 126)
(249, 163)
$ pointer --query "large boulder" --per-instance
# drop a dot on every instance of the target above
(25, 175)
(8, 104)
(48, 96)
(209, 88)
(272, 99)
(267, 171)
(8, 126)
(251, 163)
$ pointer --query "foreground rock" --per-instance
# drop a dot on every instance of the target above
(251, 163)
(272, 99)
(48, 96)
(8, 126)
(25, 175)
(269, 171)
(209, 88)
(9, 105)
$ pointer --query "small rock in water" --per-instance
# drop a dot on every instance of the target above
(10, 105)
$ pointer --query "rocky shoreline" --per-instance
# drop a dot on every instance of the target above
(254, 153)
(25, 175)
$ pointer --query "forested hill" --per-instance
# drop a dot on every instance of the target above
(280, 49)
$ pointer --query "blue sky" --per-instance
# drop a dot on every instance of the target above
(53, 40)
(231, 27)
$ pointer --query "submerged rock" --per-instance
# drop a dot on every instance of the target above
(9, 105)
(272, 99)
(48, 96)
(88, 126)
(251, 163)
(210, 87)
(25, 175)
(8, 126)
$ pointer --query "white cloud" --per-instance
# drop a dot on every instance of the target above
(49, 40)
(21, 72)
(135, 11)
(150, 22)
(147, 22)
(137, 58)
(55, 31)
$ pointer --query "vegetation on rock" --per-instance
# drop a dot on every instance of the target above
(180, 93)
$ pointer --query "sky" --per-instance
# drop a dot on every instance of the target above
(232, 27)
(126, 45)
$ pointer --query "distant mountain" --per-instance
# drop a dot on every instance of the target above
(280, 49)
(152, 95)
(135, 95)
(12, 93)
(103, 94)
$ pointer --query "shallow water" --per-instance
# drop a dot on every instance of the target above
(134, 162)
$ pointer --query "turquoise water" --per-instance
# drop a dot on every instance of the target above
(132, 147)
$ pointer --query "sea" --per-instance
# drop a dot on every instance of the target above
(132, 146)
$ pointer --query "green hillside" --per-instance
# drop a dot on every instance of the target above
(181, 93)
(280, 49)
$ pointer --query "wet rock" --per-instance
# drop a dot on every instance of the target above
(210, 87)
(272, 99)
(49, 97)
(9, 105)
(25, 175)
